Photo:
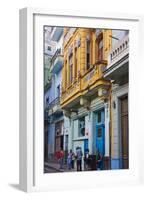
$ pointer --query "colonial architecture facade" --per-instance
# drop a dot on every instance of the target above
(54, 132)
(118, 72)
(90, 91)
(87, 100)
(85, 91)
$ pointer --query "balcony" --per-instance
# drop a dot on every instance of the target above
(57, 62)
(56, 33)
(71, 92)
(86, 86)
(93, 79)
(54, 107)
(118, 62)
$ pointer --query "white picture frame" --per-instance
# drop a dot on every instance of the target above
(31, 175)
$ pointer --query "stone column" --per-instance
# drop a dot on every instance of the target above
(70, 135)
(107, 137)
(107, 113)
(91, 133)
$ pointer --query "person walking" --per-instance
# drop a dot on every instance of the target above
(86, 159)
(69, 159)
(72, 160)
(79, 155)
(61, 156)
(99, 159)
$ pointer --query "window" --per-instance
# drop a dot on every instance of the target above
(99, 134)
(82, 127)
(70, 68)
(76, 62)
(58, 91)
(88, 54)
(47, 101)
(49, 48)
(65, 75)
(99, 117)
(58, 128)
(100, 49)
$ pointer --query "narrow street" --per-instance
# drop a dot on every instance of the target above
(54, 167)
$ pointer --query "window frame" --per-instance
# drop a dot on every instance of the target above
(88, 42)
(101, 50)
(70, 69)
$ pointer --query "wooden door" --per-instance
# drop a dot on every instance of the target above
(124, 132)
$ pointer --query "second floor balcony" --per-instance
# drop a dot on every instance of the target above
(57, 61)
(53, 107)
(86, 86)
(118, 62)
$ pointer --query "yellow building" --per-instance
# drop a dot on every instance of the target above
(85, 58)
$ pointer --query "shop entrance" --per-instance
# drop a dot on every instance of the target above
(59, 143)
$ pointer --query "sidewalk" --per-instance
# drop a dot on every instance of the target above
(55, 166)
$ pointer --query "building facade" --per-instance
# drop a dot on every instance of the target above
(118, 72)
(85, 58)
(86, 94)
(95, 93)
(49, 50)
(57, 129)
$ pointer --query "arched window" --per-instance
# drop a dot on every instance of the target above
(100, 48)
(76, 62)
(88, 53)
(65, 71)
(70, 68)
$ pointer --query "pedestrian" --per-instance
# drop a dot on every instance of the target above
(69, 159)
(86, 159)
(73, 160)
(79, 155)
(99, 159)
(61, 156)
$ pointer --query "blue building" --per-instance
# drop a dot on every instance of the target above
(55, 119)
(49, 50)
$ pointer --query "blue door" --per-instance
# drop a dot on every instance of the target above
(100, 132)
(100, 138)
(85, 145)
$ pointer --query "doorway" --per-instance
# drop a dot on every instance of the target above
(124, 132)
(100, 132)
